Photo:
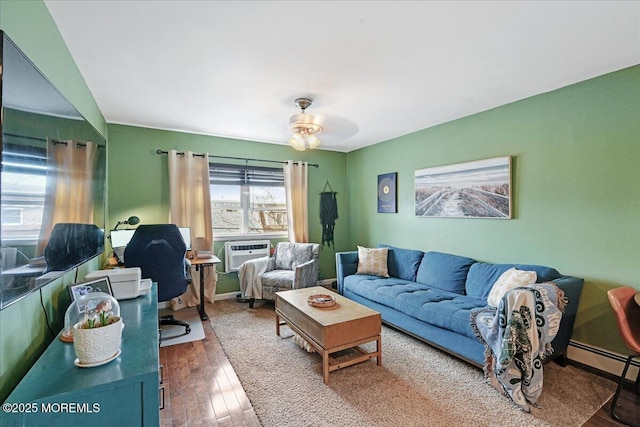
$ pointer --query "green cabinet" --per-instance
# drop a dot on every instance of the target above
(123, 392)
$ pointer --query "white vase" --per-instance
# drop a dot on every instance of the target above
(96, 345)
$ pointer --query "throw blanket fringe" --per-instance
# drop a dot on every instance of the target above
(517, 336)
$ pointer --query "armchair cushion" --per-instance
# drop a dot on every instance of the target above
(277, 279)
(289, 255)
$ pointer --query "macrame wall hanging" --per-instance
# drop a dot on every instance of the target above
(328, 213)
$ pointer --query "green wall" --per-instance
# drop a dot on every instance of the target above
(139, 183)
(23, 331)
(576, 190)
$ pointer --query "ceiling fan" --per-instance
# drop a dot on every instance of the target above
(304, 127)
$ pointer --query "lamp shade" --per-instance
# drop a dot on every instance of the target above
(313, 141)
(132, 220)
(297, 141)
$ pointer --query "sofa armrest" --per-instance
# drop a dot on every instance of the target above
(572, 287)
(305, 275)
(346, 265)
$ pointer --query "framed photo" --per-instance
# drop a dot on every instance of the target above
(387, 198)
(478, 189)
(98, 285)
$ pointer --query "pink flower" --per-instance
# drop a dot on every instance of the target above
(103, 307)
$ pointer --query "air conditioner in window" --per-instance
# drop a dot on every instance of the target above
(235, 253)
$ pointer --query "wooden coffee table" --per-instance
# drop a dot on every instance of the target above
(346, 325)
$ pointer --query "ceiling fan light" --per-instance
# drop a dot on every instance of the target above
(313, 141)
(297, 141)
(305, 121)
(304, 126)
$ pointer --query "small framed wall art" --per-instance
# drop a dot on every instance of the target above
(99, 285)
(387, 197)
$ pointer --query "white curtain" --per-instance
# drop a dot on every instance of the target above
(69, 192)
(190, 206)
(295, 182)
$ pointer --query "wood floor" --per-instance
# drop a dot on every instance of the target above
(202, 389)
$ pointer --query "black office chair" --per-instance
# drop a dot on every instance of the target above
(159, 251)
(70, 244)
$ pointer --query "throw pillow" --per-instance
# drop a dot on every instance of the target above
(373, 261)
(403, 263)
(444, 271)
(510, 279)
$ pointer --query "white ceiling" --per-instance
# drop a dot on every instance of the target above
(375, 69)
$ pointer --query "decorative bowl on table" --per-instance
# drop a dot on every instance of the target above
(321, 300)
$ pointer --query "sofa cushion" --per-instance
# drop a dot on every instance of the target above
(444, 271)
(447, 310)
(372, 261)
(403, 263)
(483, 275)
(510, 279)
(381, 290)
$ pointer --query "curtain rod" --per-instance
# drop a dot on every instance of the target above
(159, 151)
(54, 141)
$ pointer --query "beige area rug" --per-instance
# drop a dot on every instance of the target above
(417, 385)
(173, 334)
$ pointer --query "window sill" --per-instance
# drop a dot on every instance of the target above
(253, 236)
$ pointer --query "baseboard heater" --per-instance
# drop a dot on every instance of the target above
(235, 253)
(601, 359)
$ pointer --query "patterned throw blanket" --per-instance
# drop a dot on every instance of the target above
(517, 337)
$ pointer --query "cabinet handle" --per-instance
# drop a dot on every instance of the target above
(161, 372)
(161, 397)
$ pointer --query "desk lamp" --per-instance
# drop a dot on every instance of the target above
(132, 220)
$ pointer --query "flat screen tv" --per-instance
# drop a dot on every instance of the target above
(45, 228)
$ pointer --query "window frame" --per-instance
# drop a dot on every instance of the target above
(253, 176)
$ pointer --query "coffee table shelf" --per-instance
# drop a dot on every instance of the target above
(345, 325)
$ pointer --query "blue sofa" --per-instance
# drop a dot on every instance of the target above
(430, 295)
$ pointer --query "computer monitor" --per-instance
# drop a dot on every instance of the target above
(186, 236)
(119, 241)
(121, 238)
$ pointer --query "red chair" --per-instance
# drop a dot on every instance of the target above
(627, 313)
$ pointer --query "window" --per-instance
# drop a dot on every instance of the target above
(247, 199)
(23, 189)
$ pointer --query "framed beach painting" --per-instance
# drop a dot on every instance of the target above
(478, 189)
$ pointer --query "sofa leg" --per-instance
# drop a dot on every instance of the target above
(251, 301)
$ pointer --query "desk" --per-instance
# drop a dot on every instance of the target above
(200, 264)
(126, 389)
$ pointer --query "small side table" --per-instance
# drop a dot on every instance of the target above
(200, 264)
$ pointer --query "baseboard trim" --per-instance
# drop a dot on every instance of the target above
(601, 359)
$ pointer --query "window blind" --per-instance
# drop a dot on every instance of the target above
(229, 174)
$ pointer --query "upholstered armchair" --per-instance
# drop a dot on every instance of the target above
(293, 266)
